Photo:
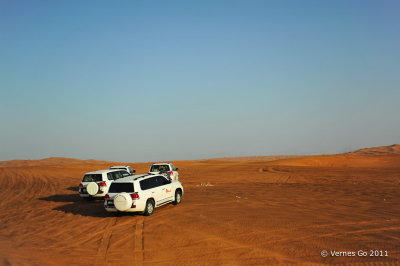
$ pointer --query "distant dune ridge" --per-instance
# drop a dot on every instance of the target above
(57, 161)
(49, 162)
(392, 149)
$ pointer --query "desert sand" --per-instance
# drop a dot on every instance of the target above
(235, 211)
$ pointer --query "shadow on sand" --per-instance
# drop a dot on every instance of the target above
(83, 207)
(62, 198)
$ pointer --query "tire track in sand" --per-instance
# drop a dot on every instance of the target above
(138, 251)
(101, 256)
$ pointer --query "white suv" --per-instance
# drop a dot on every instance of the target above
(142, 193)
(96, 184)
(165, 169)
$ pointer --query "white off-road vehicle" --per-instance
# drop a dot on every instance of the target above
(166, 169)
(142, 193)
(124, 167)
(96, 184)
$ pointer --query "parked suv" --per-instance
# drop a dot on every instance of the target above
(124, 167)
(96, 184)
(142, 193)
(166, 169)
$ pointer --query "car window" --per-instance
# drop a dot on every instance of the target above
(149, 183)
(110, 176)
(145, 184)
(154, 168)
(121, 187)
(125, 173)
(118, 175)
(114, 175)
(161, 180)
(92, 178)
(160, 168)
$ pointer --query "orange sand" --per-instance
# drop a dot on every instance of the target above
(243, 211)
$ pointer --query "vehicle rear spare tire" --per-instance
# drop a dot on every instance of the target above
(123, 201)
(92, 188)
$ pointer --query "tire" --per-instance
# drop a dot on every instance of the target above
(178, 197)
(122, 201)
(149, 208)
(92, 188)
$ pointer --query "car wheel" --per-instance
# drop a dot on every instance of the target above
(178, 197)
(149, 208)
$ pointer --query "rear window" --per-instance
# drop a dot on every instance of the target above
(121, 187)
(92, 178)
(160, 168)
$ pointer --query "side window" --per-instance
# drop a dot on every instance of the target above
(110, 176)
(161, 180)
(118, 175)
(153, 182)
(143, 185)
(146, 184)
(114, 175)
(124, 173)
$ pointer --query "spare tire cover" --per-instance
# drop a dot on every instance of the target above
(92, 188)
(123, 202)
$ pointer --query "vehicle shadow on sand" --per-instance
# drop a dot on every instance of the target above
(73, 189)
(79, 206)
(63, 198)
(85, 208)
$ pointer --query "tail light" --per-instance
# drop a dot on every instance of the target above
(102, 184)
(80, 185)
(107, 197)
(135, 196)
(170, 173)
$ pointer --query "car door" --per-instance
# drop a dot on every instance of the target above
(154, 189)
(165, 187)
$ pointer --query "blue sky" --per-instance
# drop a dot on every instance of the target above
(170, 80)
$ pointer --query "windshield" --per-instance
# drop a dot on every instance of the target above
(159, 168)
(92, 178)
(121, 187)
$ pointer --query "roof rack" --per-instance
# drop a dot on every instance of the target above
(142, 176)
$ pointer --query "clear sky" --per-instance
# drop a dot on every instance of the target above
(170, 80)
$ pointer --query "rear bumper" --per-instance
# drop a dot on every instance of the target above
(84, 194)
(111, 208)
(89, 196)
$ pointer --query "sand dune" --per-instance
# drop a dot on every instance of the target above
(248, 211)
(52, 161)
(392, 149)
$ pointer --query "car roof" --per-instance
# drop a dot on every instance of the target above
(117, 166)
(102, 171)
(161, 163)
(132, 178)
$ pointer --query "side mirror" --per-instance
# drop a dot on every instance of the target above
(133, 171)
(176, 169)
